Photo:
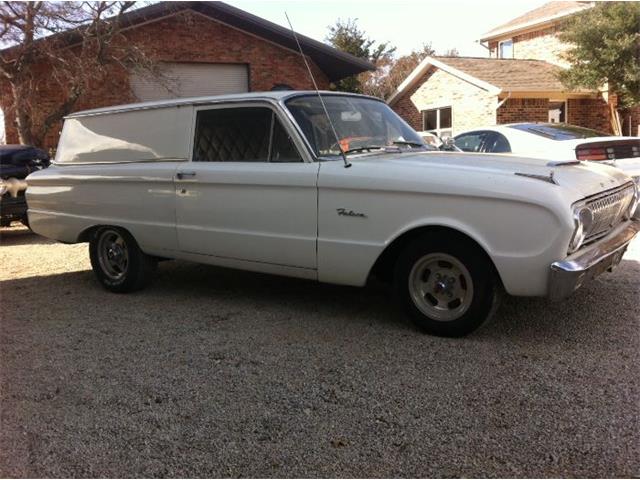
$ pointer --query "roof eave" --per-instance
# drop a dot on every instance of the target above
(334, 63)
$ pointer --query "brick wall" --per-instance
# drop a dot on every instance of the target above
(523, 110)
(184, 37)
(538, 44)
(584, 112)
(471, 106)
(590, 113)
(631, 121)
(407, 109)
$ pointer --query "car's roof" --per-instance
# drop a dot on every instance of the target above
(13, 152)
(520, 127)
(502, 126)
(276, 95)
(15, 147)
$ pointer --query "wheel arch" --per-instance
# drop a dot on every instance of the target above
(86, 234)
(385, 263)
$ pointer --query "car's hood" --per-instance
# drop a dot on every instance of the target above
(586, 178)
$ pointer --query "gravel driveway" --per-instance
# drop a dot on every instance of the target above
(212, 372)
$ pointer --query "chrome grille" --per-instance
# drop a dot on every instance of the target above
(608, 210)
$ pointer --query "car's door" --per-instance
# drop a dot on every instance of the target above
(495, 142)
(248, 193)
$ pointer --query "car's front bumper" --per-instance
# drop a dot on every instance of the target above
(571, 273)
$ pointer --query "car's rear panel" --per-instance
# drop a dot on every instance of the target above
(608, 149)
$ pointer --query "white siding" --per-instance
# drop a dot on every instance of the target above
(192, 80)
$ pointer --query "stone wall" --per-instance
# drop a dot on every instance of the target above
(471, 106)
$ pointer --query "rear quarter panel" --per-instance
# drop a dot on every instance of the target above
(65, 201)
(114, 168)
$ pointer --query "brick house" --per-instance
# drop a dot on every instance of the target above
(206, 48)
(517, 83)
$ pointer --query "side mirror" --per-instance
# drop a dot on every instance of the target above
(449, 145)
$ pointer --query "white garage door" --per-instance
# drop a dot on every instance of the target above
(191, 80)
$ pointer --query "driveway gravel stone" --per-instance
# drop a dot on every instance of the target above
(213, 372)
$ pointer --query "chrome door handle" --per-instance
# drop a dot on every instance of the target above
(182, 175)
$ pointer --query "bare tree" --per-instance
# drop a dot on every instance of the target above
(72, 44)
(390, 74)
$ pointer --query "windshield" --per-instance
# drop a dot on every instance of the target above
(558, 132)
(362, 125)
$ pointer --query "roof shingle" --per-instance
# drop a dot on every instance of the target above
(542, 14)
(509, 74)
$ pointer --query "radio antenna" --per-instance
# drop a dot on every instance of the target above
(315, 85)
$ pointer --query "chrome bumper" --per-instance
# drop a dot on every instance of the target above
(571, 273)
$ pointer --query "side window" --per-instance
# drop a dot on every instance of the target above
(497, 143)
(470, 142)
(251, 134)
(232, 135)
(283, 149)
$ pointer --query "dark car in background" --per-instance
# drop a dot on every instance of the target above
(16, 162)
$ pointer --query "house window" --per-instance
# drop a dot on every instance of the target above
(505, 49)
(438, 121)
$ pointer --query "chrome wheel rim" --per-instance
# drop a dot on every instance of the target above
(113, 254)
(441, 287)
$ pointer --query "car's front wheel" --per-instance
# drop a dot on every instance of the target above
(448, 286)
(118, 262)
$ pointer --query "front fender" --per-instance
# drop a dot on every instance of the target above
(522, 239)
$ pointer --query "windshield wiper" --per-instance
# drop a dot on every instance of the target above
(411, 144)
(361, 149)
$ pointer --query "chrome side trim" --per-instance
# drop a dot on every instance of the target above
(545, 178)
(563, 163)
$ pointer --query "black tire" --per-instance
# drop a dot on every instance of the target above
(481, 296)
(136, 273)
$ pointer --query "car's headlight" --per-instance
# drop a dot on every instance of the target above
(583, 220)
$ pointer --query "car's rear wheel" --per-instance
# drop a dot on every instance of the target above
(118, 262)
(448, 286)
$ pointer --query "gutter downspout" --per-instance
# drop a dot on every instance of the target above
(501, 102)
(479, 42)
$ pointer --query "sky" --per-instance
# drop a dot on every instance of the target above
(406, 24)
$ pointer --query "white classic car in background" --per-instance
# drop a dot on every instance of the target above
(259, 182)
(555, 141)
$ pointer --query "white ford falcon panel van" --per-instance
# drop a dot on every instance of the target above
(259, 182)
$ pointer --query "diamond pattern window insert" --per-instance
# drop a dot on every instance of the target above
(242, 135)
(232, 135)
